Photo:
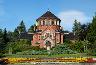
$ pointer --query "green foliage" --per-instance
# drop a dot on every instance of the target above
(15, 35)
(19, 45)
(92, 48)
(31, 29)
(10, 36)
(92, 31)
(77, 29)
(91, 36)
(80, 31)
(33, 52)
(3, 40)
(84, 31)
(62, 49)
(21, 27)
(79, 46)
(5, 37)
(1, 55)
(76, 26)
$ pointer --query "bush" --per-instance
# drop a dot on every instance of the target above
(1, 55)
(33, 52)
(19, 46)
(62, 49)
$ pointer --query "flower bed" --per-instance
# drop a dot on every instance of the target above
(23, 60)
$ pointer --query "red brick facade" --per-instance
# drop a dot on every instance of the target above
(48, 31)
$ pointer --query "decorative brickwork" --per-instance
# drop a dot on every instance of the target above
(48, 31)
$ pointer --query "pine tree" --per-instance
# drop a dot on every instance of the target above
(31, 29)
(92, 31)
(4, 41)
(15, 35)
(77, 29)
(5, 36)
(91, 36)
(1, 42)
(21, 27)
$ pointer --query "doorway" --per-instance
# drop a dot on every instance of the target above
(48, 45)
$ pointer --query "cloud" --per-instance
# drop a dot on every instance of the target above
(68, 17)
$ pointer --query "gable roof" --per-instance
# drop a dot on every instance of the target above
(48, 14)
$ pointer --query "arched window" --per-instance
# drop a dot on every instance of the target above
(51, 36)
(43, 22)
(52, 22)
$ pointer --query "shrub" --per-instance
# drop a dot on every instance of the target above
(1, 55)
(33, 52)
(62, 49)
(18, 46)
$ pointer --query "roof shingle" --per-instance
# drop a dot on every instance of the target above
(48, 14)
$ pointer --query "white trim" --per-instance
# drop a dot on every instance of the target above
(52, 43)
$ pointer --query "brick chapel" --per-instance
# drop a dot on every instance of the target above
(48, 31)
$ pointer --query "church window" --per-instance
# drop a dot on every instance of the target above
(43, 22)
(51, 36)
(56, 22)
(45, 36)
(52, 22)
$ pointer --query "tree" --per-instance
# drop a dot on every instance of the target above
(77, 29)
(21, 27)
(31, 29)
(91, 35)
(5, 37)
(10, 36)
(3, 40)
(20, 45)
(15, 35)
(84, 30)
(62, 49)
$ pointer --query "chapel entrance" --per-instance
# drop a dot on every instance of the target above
(48, 45)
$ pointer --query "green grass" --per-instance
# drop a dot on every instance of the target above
(48, 56)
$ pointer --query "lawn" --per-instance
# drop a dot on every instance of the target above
(49, 56)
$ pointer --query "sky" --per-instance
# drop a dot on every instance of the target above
(12, 12)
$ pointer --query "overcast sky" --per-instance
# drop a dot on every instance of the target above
(13, 11)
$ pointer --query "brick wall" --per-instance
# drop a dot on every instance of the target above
(51, 27)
